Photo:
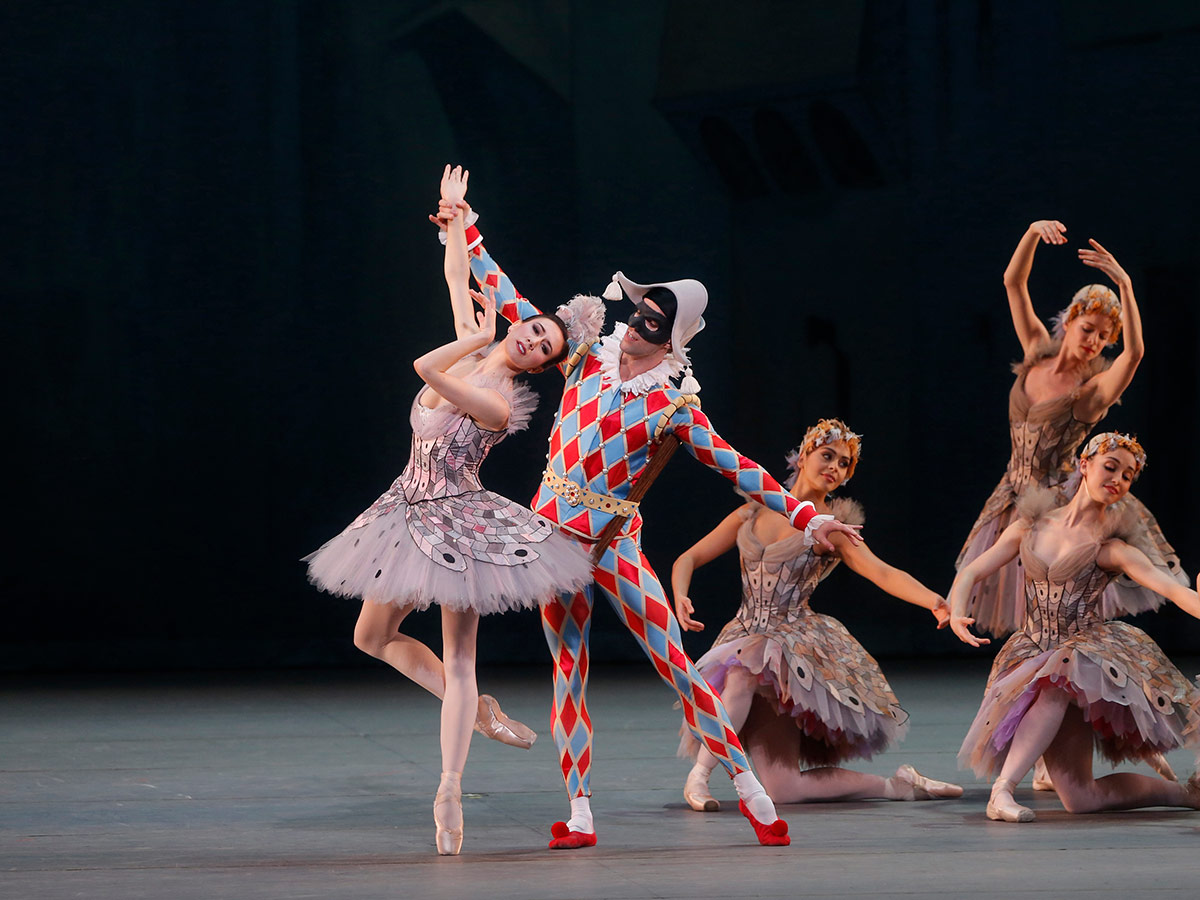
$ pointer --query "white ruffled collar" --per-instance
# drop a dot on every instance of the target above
(609, 354)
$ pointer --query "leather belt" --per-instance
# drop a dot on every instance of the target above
(581, 496)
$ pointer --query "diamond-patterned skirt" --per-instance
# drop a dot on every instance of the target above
(812, 671)
(477, 550)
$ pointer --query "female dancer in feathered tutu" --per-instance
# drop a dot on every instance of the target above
(436, 536)
(802, 693)
(1069, 679)
(1063, 388)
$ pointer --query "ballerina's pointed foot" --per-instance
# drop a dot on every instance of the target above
(696, 793)
(566, 838)
(1003, 808)
(912, 785)
(447, 815)
(490, 721)
(774, 834)
(1041, 777)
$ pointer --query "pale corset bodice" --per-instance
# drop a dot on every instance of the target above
(1064, 597)
(1045, 437)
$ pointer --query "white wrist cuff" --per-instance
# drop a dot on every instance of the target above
(472, 218)
(813, 524)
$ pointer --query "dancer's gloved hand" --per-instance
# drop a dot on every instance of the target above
(683, 612)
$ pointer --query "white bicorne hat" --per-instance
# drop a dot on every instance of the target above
(691, 298)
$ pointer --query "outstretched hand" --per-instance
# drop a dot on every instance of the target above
(941, 612)
(958, 624)
(1051, 231)
(821, 537)
(1099, 258)
(683, 612)
(454, 184)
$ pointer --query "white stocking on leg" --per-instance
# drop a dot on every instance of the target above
(459, 707)
(737, 696)
(1037, 730)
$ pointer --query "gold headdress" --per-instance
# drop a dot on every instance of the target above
(1091, 298)
(1112, 440)
(826, 431)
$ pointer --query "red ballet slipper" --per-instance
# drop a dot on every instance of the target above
(566, 839)
(773, 835)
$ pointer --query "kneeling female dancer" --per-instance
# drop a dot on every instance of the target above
(821, 697)
(1069, 678)
(436, 536)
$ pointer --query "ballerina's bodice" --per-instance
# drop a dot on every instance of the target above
(779, 578)
(448, 448)
(1062, 597)
(1045, 437)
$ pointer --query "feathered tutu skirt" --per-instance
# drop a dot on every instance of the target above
(474, 551)
(812, 672)
(1136, 701)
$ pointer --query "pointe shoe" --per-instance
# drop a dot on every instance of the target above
(696, 793)
(772, 835)
(912, 785)
(1000, 809)
(490, 721)
(1159, 764)
(566, 838)
(1041, 777)
(448, 840)
(1191, 791)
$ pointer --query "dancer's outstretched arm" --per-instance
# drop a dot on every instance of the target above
(1118, 556)
(457, 265)
(895, 581)
(1030, 330)
(484, 405)
(720, 540)
(1006, 548)
(1105, 389)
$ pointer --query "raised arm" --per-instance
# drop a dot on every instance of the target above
(1029, 328)
(696, 434)
(457, 266)
(1106, 388)
(718, 541)
(1006, 548)
(888, 578)
(1118, 556)
(487, 407)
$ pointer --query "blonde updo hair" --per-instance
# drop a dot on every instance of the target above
(1113, 440)
(1091, 298)
(826, 431)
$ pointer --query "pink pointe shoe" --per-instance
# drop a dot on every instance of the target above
(696, 793)
(490, 721)
(773, 835)
(1003, 808)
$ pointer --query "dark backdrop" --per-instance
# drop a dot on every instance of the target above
(217, 270)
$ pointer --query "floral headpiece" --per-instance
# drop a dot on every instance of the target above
(1091, 298)
(826, 431)
(583, 315)
(1112, 440)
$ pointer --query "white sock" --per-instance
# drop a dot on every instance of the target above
(581, 816)
(755, 798)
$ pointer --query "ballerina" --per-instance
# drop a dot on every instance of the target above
(801, 692)
(437, 537)
(1071, 679)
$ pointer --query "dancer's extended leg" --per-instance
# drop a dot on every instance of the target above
(376, 634)
(459, 630)
(1069, 760)
(567, 624)
(625, 577)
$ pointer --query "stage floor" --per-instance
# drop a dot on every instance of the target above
(320, 784)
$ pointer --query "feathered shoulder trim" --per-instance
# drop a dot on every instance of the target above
(522, 401)
(1046, 349)
(1035, 501)
(847, 511)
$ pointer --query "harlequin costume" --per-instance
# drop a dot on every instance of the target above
(604, 434)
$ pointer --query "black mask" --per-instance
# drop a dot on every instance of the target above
(644, 315)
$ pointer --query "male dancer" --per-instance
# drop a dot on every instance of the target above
(616, 405)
